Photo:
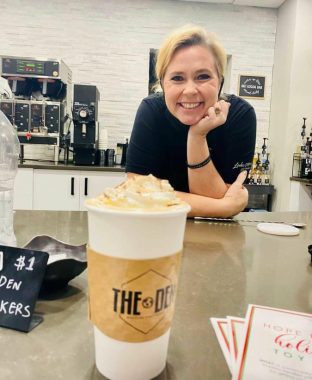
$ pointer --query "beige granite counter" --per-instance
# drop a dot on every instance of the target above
(225, 266)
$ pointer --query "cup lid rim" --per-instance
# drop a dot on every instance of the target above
(183, 208)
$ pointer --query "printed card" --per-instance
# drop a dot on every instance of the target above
(220, 326)
(277, 345)
(236, 331)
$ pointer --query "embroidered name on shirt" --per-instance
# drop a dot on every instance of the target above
(242, 165)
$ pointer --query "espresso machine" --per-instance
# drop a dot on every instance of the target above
(84, 135)
(42, 94)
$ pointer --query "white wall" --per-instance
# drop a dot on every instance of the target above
(107, 42)
(291, 92)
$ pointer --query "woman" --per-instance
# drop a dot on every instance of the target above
(187, 134)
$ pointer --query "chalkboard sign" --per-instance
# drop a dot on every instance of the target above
(251, 86)
(21, 275)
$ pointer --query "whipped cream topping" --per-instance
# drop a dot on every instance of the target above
(139, 192)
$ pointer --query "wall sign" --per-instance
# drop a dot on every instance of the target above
(251, 86)
(21, 275)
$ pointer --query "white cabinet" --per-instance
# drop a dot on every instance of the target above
(23, 189)
(93, 183)
(68, 189)
(56, 190)
(300, 196)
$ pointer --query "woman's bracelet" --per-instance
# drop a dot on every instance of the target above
(199, 165)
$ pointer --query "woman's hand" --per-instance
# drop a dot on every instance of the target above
(215, 116)
(233, 202)
(236, 197)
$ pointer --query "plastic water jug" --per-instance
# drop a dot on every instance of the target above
(9, 152)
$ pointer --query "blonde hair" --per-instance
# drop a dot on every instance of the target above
(189, 35)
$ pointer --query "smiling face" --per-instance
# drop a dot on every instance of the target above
(191, 83)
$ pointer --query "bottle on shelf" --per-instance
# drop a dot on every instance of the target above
(9, 153)
(258, 162)
(304, 159)
(124, 152)
(303, 128)
(309, 152)
(260, 169)
(266, 179)
(251, 180)
(308, 158)
(264, 146)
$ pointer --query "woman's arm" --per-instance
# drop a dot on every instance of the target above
(234, 200)
(206, 180)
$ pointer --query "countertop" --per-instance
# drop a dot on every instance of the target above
(307, 181)
(51, 165)
(225, 267)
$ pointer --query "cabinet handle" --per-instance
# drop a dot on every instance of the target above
(72, 187)
(86, 187)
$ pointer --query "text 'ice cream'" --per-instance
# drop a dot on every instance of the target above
(139, 192)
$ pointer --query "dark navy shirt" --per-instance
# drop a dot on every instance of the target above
(158, 143)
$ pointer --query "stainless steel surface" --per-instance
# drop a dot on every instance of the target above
(37, 164)
(65, 73)
(225, 266)
(65, 262)
(235, 220)
(41, 72)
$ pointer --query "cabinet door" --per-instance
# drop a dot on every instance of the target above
(93, 183)
(56, 190)
(23, 189)
(300, 196)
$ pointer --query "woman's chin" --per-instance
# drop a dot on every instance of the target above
(189, 120)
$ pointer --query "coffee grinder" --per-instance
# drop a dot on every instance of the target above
(84, 137)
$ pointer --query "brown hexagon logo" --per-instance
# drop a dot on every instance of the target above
(145, 300)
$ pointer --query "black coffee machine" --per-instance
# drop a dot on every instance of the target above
(84, 139)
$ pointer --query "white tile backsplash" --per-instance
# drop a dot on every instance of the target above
(107, 42)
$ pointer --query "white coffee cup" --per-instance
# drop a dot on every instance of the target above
(136, 236)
